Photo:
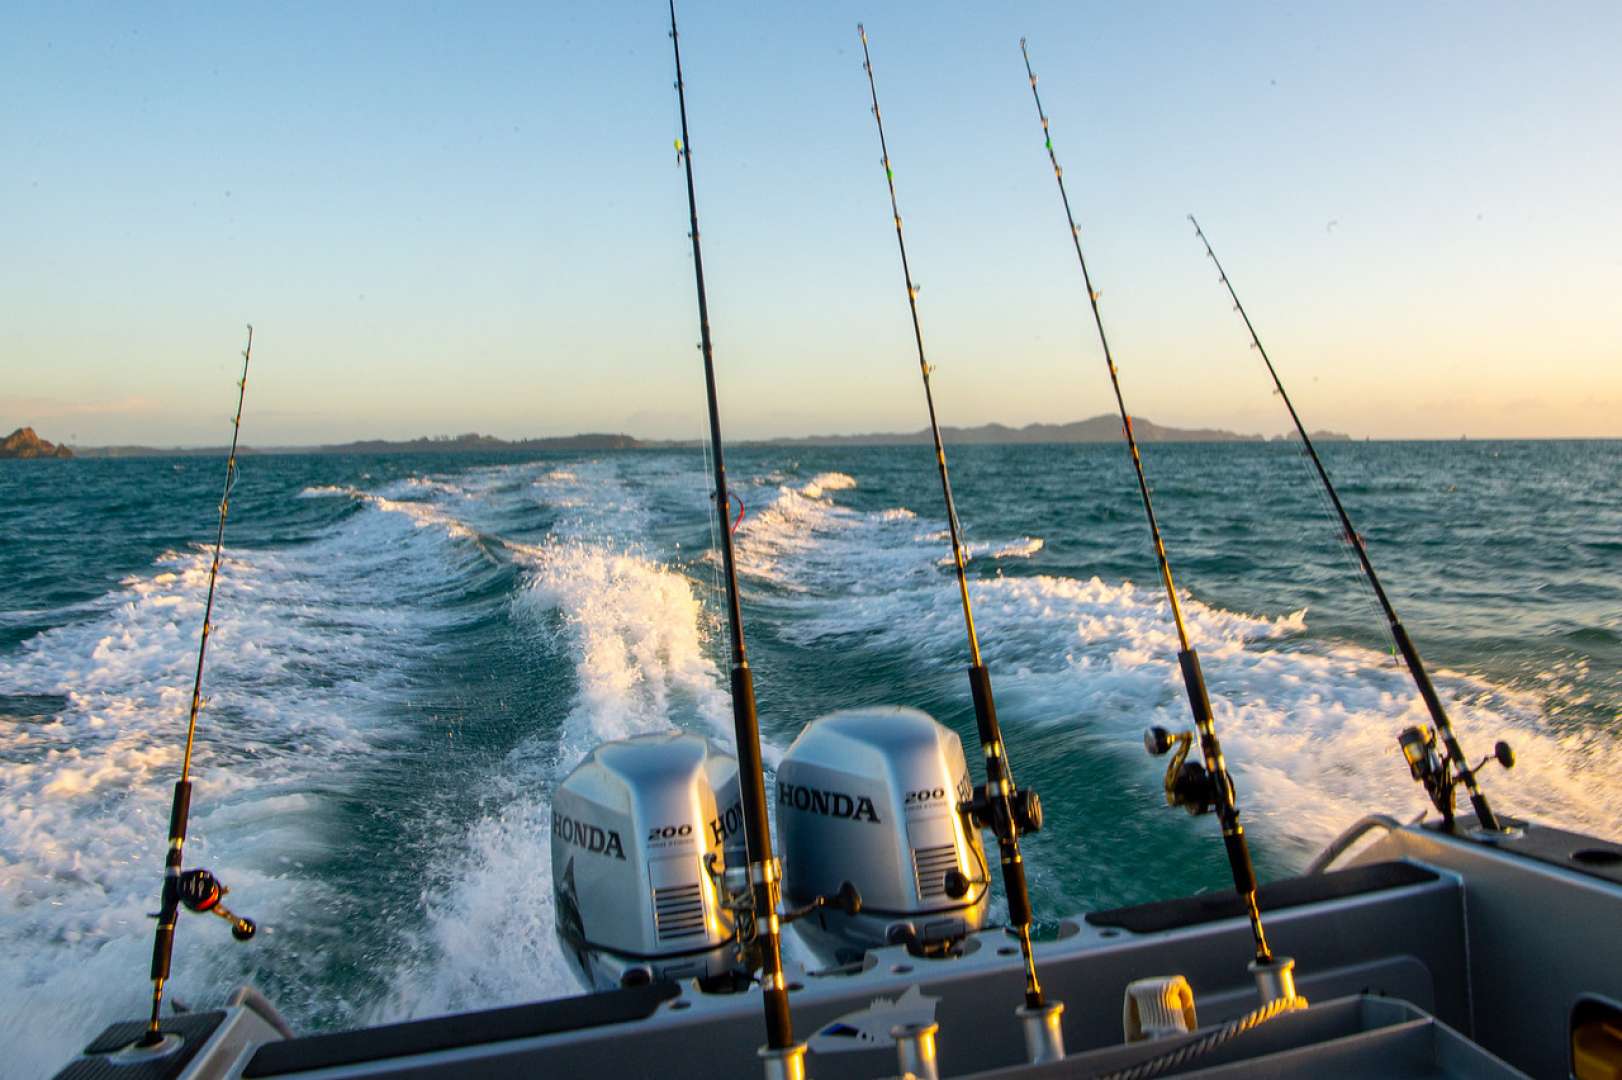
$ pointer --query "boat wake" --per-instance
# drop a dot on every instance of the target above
(325, 647)
(302, 689)
(635, 635)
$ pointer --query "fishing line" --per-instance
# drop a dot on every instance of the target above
(718, 589)
(1344, 550)
(763, 870)
(198, 889)
(1456, 768)
(1187, 785)
(1007, 810)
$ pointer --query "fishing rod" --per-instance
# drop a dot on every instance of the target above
(784, 1058)
(1439, 775)
(198, 889)
(999, 805)
(1197, 789)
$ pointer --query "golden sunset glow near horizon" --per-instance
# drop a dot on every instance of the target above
(474, 220)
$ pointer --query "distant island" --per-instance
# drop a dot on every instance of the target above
(23, 443)
(1105, 428)
(1098, 429)
(438, 444)
(1317, 436)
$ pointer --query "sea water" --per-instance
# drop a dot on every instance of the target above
(410, 651)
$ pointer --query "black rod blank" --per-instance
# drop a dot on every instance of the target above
(1405, 645)
(998, 805)
(1224, 800)
(751, 779)
(163, 942)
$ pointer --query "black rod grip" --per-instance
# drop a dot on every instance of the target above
(985, 712)
(1199, 699)
(1444, 727)
(751, 786)
(1002, 817)
(1244, 874)
(1013, 883)
(758, 843)
(179, 813)
(163, 947)
(1422, 679)
(163, 942)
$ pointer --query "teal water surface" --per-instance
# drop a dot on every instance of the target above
(410, 650)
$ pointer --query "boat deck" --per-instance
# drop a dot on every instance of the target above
(1427, 954)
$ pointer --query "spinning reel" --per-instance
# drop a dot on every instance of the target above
(201, 892)
(1016, 815)
(1188, 784)
(1442, 773)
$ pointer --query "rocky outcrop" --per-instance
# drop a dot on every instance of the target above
(23, 443)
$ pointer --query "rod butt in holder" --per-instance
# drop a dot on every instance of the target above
(1044, 1032)
(1275, 980)
(915, 1049)
(785, 1064)
(143, 1052)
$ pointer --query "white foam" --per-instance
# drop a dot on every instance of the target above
(802, 541)
(1309, 727)
(306, 660)
(303, 676)
(423, 514)
(1023, 548)
(636, 636)
(632, 627)
(823, 483)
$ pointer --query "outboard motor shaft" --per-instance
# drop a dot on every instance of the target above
(871, 797)
(636, 829)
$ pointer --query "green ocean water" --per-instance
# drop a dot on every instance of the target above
(410, 650)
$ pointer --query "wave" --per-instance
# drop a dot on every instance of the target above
(803, 542)
(311, 663)
(307, 663)
(424, 514)
(823, 483)
(1023, 548)
(1310, 727)
(635, 634)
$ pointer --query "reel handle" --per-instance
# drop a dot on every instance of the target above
(848, 899)
(202, 892)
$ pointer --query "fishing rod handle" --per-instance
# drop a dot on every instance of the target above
(1222, 791)
(1444, 727)
(169, 907)
(758, 847)
(997, 806)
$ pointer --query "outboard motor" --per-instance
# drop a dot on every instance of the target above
(871, 797)
(636, 829)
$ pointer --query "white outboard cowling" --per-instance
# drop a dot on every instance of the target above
(632, 828)
(870, 796)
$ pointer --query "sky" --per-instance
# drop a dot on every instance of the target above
(445, 218)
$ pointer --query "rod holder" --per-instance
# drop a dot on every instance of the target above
(1044, 1032)
(915, 1049)
(1275, 981)
(785, 1064)
(141, 1052)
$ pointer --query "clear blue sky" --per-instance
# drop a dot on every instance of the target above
(446, 218)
